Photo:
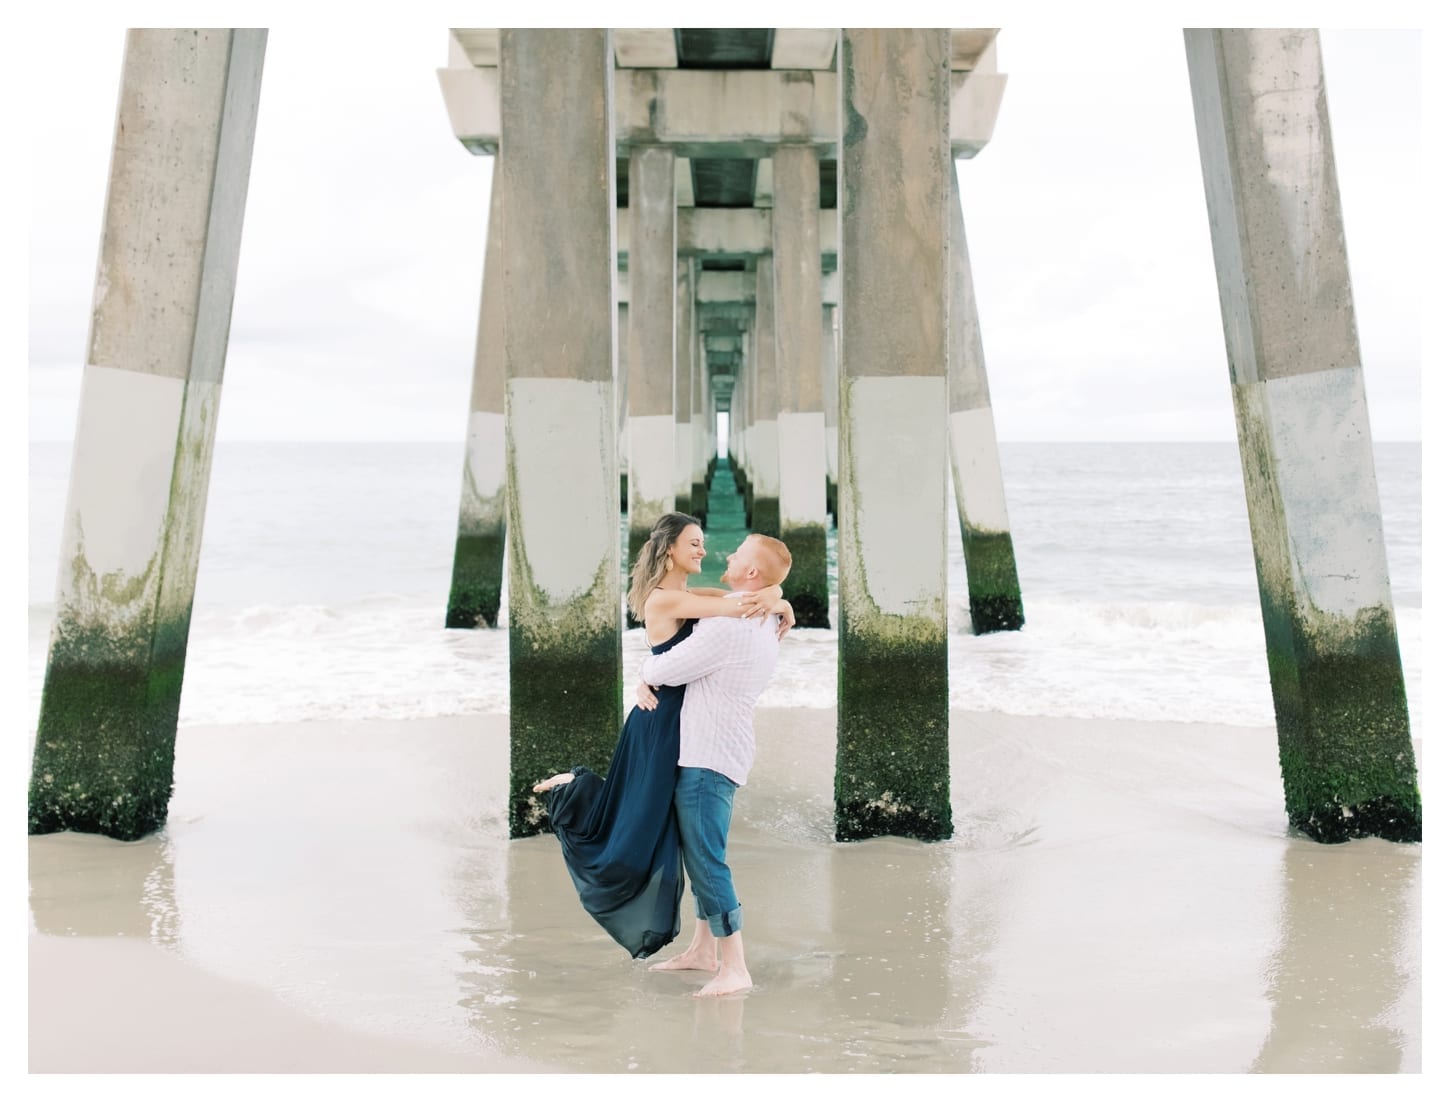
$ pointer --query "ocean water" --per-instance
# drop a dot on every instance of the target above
(325, 569)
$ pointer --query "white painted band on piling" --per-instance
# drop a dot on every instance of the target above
(486, 468)
(1318, 426)
(896, 456)
(566, 480)
(802, 440)
(652, 464)
(121, 472)
(977, 467)
(765, 446)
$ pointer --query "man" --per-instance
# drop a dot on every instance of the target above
(725, 665)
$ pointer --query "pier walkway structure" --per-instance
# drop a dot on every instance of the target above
(733, 230)
(748, 158)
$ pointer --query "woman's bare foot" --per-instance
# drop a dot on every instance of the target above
(556, 779)
(691, 960)
(726, 982)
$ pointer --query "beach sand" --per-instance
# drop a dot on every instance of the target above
(341, 896)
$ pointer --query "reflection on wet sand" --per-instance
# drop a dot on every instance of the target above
(1344, 981)
(1117, 897)
(132, 886)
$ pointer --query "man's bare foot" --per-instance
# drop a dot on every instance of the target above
(691, 960)
(726, 983)
(556, 779)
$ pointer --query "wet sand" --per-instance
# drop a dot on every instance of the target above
(341, 896)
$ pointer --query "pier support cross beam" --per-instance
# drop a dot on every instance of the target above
(478, 552)
(170, 242)
(993, 593)
(892, 753)
(1274, 215)
(801, 425)
(559, 303)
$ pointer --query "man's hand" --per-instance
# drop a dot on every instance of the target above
(646, 697)
(760, 603)
(787, 618)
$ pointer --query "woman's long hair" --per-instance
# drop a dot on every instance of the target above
(652, 563)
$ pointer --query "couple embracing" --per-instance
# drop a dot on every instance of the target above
(663, 808)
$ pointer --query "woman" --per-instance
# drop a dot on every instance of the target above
(618, 832)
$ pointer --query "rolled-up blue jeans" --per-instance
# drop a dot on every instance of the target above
(703, 802)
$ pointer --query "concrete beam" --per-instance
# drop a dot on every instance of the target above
(1295, 365)
(651, 48)
(893, 449)
(559, 351)
(972, 47)
(813, 48)
(975, 101)
(804, 49)
(733, 232)
(720, 112)
(150, 392)
(764, 182)
(994, 594)
(725, 112)
(652, 319)
(478, 552)
(728, 287)
(633, 47)
(801, 425)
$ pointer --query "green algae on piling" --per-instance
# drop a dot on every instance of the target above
(1345, 754)
(564, 710)
(105, 748)
(474, 596)
(993, 594)
(565, 682)
(893, 761)
(807, 587)
(764, 515)
(699, 502)
(892, 764)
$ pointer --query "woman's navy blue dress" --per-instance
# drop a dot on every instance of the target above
(618, 832)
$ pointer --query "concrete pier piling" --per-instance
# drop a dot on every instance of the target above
(559, 302)
(892, 759)
(801, 425)
(763, 498)
(993, 593)
(702, 417)
(831, 404)
(170, 242)
(621, 399)
(651, 340)
(478, 553)
(745, 472)
(1304, 437)
(684, 387)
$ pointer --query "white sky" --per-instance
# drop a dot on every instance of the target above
(361, 261)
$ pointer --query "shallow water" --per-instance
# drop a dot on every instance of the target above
(1116, 897)
(325, 569)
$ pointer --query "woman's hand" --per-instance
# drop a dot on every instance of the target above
(645, 697)
(787, 618)
(759, 604)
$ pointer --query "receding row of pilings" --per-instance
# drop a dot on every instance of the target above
(543, 467)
